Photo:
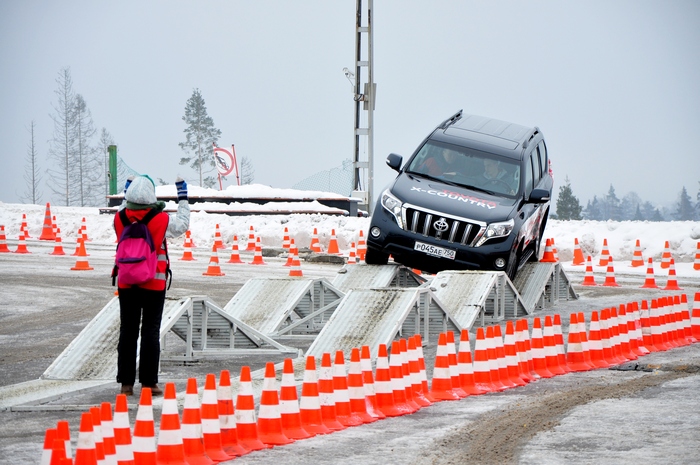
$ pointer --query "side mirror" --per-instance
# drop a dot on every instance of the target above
(539, 196)
(394, 161)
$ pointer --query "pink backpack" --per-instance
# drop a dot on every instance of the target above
(136, 258)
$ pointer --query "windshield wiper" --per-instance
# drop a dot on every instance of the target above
(480, 189)
(427, 176)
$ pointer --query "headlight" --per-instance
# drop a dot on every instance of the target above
(497, 230)
(393, 206)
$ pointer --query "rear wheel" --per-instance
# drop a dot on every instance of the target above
(375, 257)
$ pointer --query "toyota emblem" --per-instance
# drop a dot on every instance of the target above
(440, 225)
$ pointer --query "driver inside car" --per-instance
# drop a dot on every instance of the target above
(495, 176)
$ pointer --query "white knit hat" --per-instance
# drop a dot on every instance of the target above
(141, 191)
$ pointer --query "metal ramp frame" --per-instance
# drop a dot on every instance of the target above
(285, 306)
(378, 316)
(543, 284)
(470, 296)
(363, 276)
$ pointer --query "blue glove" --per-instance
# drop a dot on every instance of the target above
(181, 189)
(128, 182)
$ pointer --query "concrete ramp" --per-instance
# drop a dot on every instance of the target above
(285, 306)
(375, 316)
(363, 276)
(542, 285)
(477, 296)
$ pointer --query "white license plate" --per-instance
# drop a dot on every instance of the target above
(434, 251)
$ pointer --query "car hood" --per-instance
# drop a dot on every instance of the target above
(452, 200)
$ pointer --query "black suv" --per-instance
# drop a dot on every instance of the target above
(474, 196)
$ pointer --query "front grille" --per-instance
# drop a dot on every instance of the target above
(453, 230)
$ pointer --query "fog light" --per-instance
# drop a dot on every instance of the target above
(500, 263)
(375, 232)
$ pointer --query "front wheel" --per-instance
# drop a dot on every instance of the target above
(375, 257)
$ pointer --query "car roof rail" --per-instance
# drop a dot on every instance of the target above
(451, 120)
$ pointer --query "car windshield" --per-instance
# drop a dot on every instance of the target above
(467, 167)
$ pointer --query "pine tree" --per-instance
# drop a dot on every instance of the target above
(611, 206)
(31, 173)
(200, 136)
(638, 215)
(62, 144)
(685, 210)
(593, 210)
(568, 206)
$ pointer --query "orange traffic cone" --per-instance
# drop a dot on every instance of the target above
(83, 228)
(695, 317)
(584, 339)
(414, 374)
(522, 344)
(343, 411)
(46, 454)
(578, 255)
(672, 283)
(326, 394)
(211, 425)
(595, 348)
(356, 389)
(368, 382)
(550, 352)
(213, 269)
(315, 245)
(635, 328)
(23, 227)
(441, 388)
(78, 239)
(144, 437)
(500, 354)
(548, 256)
(637, 259)
(589, 279)
(22, 244)
(81, 262)
(352, 257)
(405, 371)
(454, 367)
(122, 432)
(538, 353)
(554, 251)
(187, 253)
(559, 342)
(362, 246)
(171, 449)
(286, 243)
(666, 256)
(192, 433)
(310, 406)
(63, 434)
(235, 257)
(482, 370)
(258, 258)
(650, 281)
(227, 420)
(296, 264)
(85, 453)
(269, 417)
(696, 263)
(574, 352)
(57, 452)
(398, 383)
(47, 233)
(289, 404)
(109, 446)
(251, 240)
(218, 241)
(423, 373)
(604, 254)
(384, 391)
(3, 241)
(58, 247)
(466, 368)
(246, 426)
(511, 356)
(333, 244)
(610, 275)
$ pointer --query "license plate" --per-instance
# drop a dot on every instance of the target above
(434, 250)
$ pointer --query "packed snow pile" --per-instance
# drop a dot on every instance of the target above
(682, 236)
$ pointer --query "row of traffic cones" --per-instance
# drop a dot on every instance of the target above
(637, 256)
(649, 282)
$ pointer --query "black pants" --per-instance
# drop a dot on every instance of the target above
(139, 307)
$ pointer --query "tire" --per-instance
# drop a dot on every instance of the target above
(512, 268)
(375, 257)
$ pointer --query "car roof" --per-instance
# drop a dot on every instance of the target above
(486, 133)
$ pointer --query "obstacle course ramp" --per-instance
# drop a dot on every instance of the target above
(209, 332)
(363, 276)
(543, 285)
(477, 296)
(285, 306)
(378, 316)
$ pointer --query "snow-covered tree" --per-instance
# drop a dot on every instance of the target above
(685, 211)
(87, 172)
(568, 206)
(31, 172)
(629, 205)
(200, 135)
(62, 143)
(593, 210)
(247, 173)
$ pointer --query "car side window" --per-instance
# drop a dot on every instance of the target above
(543, 157)
(536, 168)
(528, 175)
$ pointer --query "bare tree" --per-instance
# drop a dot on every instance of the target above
(31, 172)
(62, 143)
(87, 173)
(247, 172)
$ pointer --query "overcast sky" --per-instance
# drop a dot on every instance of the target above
(614, 85)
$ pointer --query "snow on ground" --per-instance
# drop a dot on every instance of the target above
(683, 236)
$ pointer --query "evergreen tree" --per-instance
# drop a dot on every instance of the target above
(568, 206)
(62, 143)
(648, 210)
(612, 206)
(656, 216)
(31, 172)
(593, 211)
(629, 206)
(638, 214)
(200, 135)
(685, 211)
